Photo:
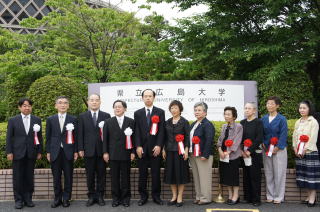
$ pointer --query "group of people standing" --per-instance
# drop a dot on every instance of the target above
(149, 138)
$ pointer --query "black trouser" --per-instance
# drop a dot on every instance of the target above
(252, 179)
(120, 180)
(95, 171)
(57, 166)
(23, 179)
(143, 164)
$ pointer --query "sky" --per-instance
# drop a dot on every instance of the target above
(169, 12)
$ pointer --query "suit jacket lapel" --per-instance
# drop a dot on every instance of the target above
(125, 123)
(66, 121)
(20, 122)
(115, 122)
(31, 124)
(90, 120)
(144, 118)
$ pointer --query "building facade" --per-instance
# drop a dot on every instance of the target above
(12, 12)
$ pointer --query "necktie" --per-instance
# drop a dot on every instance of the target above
(94, 118)
(120, 123)
(26, 123)
(61, 122)
(226, 135)
(148, 117)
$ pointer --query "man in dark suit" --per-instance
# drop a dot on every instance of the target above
(119, 150)
(61, 150)
(149, 141)
(90, 147)
(23, 147)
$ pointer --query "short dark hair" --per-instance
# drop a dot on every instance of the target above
(62, 97)
(276, 100)
(148, 89)
(124, 104)
(22, 100)
(233, 111)
(309, 104)
(177, 103)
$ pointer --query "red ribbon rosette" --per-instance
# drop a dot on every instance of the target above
(154, 128)
(228, 144)
(179, 140)
(302, 142)
(273, 142)
(196, 142)
(247, 143)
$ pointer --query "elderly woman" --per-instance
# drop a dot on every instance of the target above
(230, 154)
(252, 130)
(175, 153)
(275, 133)
(307, 158)
(201, 154)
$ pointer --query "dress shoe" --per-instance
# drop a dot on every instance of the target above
(196, 202)
(29, 203)
(66, 203)
(90, 202)
(311, 204)
(228, 200)
(203, 203)
(56, 203)
(18, 205)
(158, 201)
(142, 202)
(115, 203)
(126, 204)
(276, 202)
(170, 203)
(233, 202)
(256, 204)
(179, 204)
(101, 201)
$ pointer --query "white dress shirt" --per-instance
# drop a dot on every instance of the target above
(26, 127)
(150, 108)
(120, 120)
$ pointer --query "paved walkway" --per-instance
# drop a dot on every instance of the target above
(79, 206)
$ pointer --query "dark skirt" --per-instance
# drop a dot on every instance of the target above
(308, 171)
(177, 169)
(229, 172)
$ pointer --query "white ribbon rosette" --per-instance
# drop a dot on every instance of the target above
(128, 132)
(101, 125)
(36, 129)
(70, 128)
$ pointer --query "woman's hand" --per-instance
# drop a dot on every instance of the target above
(164, 155)
(221, 155)
(185, 156)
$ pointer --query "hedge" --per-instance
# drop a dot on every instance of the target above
(43, 163)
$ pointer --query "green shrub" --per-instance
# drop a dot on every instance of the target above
(45, 90)
(291, 88)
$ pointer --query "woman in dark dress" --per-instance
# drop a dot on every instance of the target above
(253, 130)
(176, 156)
(229, 168)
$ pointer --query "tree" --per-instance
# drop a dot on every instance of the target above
(236, 38)
(102, 41)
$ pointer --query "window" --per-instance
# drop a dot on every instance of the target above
(15, 8)
(31, 9)
(7, 16)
